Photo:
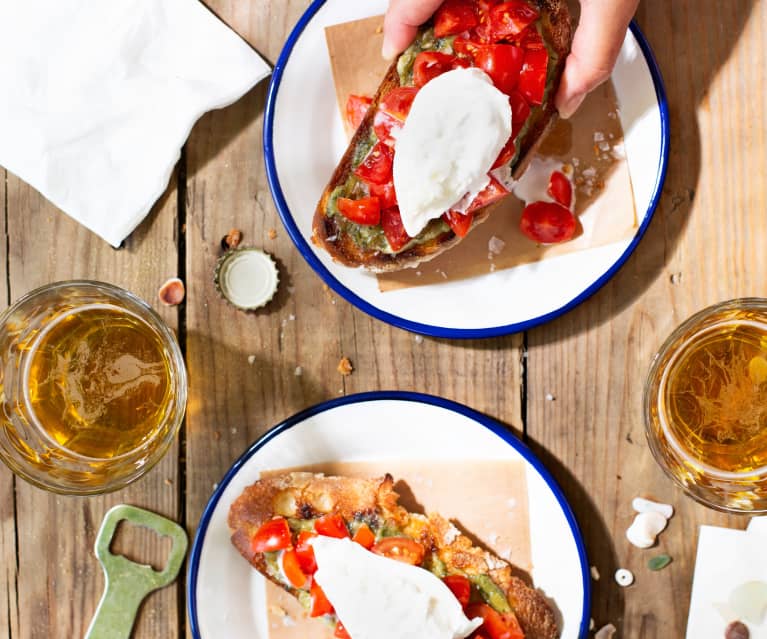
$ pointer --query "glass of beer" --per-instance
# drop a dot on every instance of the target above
(706, 406)
(92, 387)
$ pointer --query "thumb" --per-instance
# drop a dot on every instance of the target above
(597, 43)
(402, 21)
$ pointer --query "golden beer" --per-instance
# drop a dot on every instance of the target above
(93, 387)
(706, 406)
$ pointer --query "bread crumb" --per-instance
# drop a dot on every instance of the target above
(495, 245)
(272, 234)
(299, 371)
(550, 397)
(418, 339)
(594, 573)
(251, 359)
(168, 481)
(379, 29)
(345, 367)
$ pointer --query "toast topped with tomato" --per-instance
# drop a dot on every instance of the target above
(522, 46)
(274, 522)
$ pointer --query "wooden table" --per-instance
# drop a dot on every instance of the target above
(706, 244)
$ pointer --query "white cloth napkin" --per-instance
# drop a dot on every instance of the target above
(727, 559)
(98, 96)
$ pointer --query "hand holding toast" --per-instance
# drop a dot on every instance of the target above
(595, 48)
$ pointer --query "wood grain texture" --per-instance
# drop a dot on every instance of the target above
(59, 579)
(703, 246)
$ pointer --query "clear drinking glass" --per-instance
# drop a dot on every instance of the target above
(706, 406)
(92, 387)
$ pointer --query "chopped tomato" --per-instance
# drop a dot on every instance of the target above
(385, 193)
(291, 566)
(548, 223)
(356, 108)
(430, 64)
(305, 552)
(494, 625)
(520, 109)
(364, 537)
(460, 586)
(532, 78)
(376, 168)
(320, 604)
(398, 101)
(492, 193)
(508, 152)
(386, 127)
(402, 549)
(483, 32)
(464, 47)
(273, 535)
(391, 221)
(561, 189)
(455, 16)
(509, 19)
(365, 211)
(530, 39)
(332, 526)
(503, 63)
(460, 223)
(340, 632)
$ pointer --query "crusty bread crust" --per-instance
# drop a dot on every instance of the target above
(306, 495)
(327, 234)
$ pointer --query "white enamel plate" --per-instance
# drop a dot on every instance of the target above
(302, 107)
(225, 595)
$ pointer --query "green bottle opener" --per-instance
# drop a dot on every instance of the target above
(128, 583)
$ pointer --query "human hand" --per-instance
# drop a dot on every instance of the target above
(597, 42)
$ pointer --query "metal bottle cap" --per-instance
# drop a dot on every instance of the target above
(247, 278)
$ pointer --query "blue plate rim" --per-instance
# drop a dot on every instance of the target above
(406, 396)
(306, 251)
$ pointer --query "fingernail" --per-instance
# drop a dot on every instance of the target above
(567, 110)
(388, 51)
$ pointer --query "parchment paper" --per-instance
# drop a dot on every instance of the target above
(591, 144)
(486, 500)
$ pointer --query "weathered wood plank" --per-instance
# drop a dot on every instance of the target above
(9, 614)
(60, 581)
(708, 234)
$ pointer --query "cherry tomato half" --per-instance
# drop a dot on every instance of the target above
(455, 16)
(356, 108)
(494, 625)
(386, 127)
(364, 537)
(340, 632)
(385, 193)
(491, 193)
(376, 168)
(430, 64)
(402, 549)
(459, 223)
(273, 535)
(520, 109)
(291, 566)
(560, 189)
(532, 78)
(548, 223)
(366, 211)
(332, 525)
(509, 19)
(391, 221)
(305, 552)
(503, 63)
(320, 604)
(460, 586)
(398, 101)
(483, 32)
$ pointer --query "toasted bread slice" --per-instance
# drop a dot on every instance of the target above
(302, 497)
(332, 232)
